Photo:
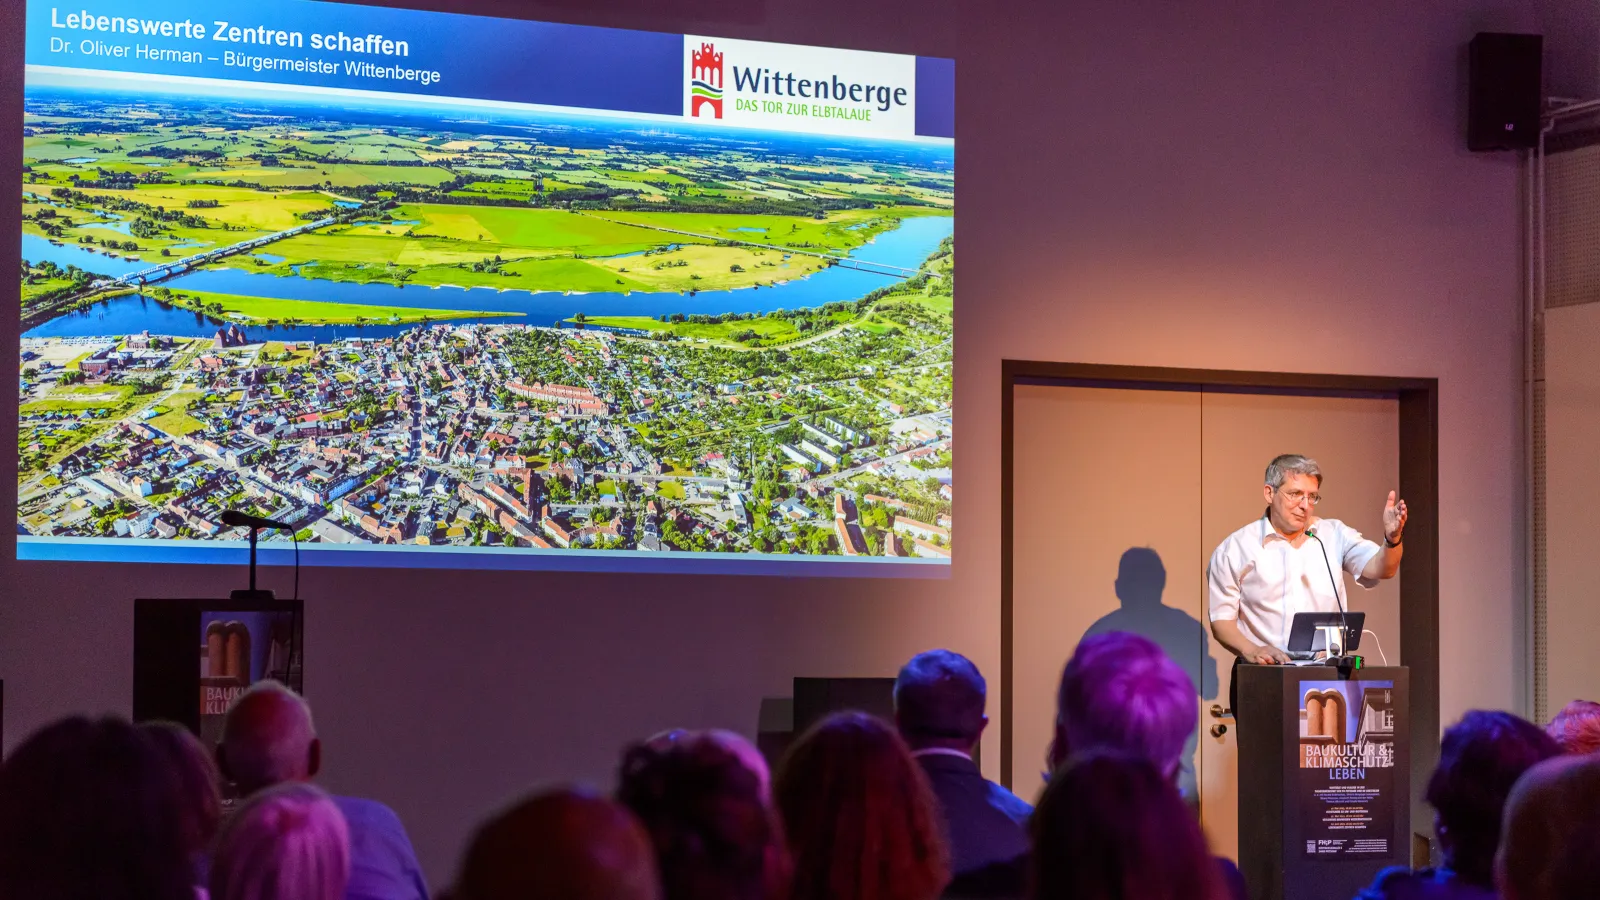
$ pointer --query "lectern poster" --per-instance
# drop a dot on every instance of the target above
(452, 291)
(237, 649)
(1346, 775)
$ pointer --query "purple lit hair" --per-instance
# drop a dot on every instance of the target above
(1121, 693)
(288, 842)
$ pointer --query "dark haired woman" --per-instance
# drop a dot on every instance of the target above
(859, 815)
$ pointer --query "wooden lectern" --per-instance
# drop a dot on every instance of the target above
(1324, 778)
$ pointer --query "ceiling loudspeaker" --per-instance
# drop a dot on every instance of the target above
(1505, 91)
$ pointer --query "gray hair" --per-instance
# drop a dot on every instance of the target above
(267, 735)
(290, 842)
(1291, 464)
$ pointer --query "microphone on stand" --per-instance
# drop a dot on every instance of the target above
(256, 523)
(234, 517)
(1344, 625)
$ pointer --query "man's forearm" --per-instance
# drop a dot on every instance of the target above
(1386, 564)
(1227, 633)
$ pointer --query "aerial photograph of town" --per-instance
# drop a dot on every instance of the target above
(516, 330)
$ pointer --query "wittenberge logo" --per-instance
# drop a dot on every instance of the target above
(754, 84)
(705, 81)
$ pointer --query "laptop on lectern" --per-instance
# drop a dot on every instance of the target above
(1308, 640)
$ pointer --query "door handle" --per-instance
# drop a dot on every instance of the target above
(1218, 711)
(1218, 730)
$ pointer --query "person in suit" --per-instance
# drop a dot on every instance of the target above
(1480, 759)
(939, 700)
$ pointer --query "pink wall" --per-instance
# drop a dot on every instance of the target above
(1262, 186)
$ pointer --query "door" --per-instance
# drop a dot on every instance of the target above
(1106, 518)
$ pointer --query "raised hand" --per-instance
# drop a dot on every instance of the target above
(1394, 519)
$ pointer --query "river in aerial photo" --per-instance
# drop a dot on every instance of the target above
(904, 247)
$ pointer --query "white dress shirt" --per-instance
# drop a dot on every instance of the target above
(1258, 578)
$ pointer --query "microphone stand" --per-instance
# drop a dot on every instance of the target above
(1344, 662)
(252, 593)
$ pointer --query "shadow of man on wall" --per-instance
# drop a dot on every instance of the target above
(1141, 580)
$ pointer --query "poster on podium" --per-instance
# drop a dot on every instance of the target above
(237, 649)
(1346, 773)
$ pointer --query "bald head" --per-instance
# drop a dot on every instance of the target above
(1551, 835)
(268, 739)
(560, 845)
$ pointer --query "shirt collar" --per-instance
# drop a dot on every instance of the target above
(1269, 533)
(941, 751)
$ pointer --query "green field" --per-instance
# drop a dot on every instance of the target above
(44, 406)
(106, 393)
(523, 228)
(274, 351)
(549, 250)
(176, 419)
(265, 310)
(330, 175)
(264, 211)
(831, 234)
(768, 330)
(34, 289)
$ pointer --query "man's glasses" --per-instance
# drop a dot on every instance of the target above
(1295, 497)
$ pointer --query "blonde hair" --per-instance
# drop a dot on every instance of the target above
(288, 842)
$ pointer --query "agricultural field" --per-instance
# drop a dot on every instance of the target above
(273, 311)
(468, 208)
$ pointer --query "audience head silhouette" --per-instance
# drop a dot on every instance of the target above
(287, 842)
(715, 836)
(268, 738)
(1577, 727)
(1480, 758)
(748, 754)
(199, 784)
(561, 844)
(938, 701)
(1552, 832)
(90, 810)
(859, 815)
(1114, 827)
(1121, 693)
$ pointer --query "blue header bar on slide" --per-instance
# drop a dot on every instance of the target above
(369, 48)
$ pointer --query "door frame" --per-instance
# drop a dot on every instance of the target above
(1419, 485)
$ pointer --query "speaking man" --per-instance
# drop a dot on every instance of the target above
(1288, 561)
